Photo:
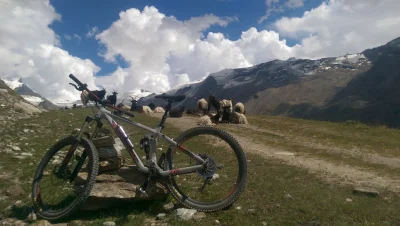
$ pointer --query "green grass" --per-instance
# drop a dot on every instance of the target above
(314, 201)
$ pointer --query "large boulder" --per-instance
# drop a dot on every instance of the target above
(114, 188)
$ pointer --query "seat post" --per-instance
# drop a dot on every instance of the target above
(164, 117)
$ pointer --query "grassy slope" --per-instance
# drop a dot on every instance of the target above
(314, 202)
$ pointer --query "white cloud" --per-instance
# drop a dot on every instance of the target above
(275, 6)
(92, 32)
(68, 37)
(163, 52)
(338, 27)
(29, 49)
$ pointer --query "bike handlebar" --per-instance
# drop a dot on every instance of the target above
(76, 80)
(104, 103)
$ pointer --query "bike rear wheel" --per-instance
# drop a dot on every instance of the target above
(49, 203)
(221, 182)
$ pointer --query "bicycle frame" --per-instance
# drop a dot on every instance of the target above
(155, 133)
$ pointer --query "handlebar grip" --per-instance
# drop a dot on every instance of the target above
(75, 80)
(128, 113)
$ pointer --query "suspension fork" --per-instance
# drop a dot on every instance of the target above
(75, 143)
(82, 158)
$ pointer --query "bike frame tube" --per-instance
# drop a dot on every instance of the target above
(154, 133)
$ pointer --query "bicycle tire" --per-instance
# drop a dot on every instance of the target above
(227, 202)
(91, 179)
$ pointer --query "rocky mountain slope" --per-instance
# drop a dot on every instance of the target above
(359, 86)
(13, 107)
(28, 94)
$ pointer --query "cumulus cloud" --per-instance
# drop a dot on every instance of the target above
(30, 50)
(163, 51)
(338, 27)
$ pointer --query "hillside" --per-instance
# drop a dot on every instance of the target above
(31, 96)
(360, 86)
(13, 107)
(312, 168)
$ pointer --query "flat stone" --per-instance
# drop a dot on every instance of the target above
(366, 191)
(114, 188)
(109, 223)
(168, 207)
(43, 223)
(161, 216)
(199, 215)
(185, 214)
(16, 148)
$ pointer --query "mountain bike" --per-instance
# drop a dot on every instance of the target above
(194, 177)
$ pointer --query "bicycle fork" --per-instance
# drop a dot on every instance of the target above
(62, 170)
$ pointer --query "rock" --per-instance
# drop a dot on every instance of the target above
(15, 191)
(8, 150)
(215, 176)
(76, 223)
(20, 157)
(8, 221)
(161, 216)
(43, 223)
(287, 196)
(217, 222)
(264, 223)
(119, 186)
(185, 214)
(251, 210)
(199, 215)
(20, 223)
(110, 159)
(159, 149)
(109, 223)
(16, 148)
(238, 207)
(56, 162)
(26, 130)
(366, 191)
(31, 217)
(23, 107)
(2, 105)
(131, 217)
(349, 200)
(106, 141)
(168, 207)
(26, 154)
(18, 204)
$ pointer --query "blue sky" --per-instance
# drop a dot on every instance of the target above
(79, 16)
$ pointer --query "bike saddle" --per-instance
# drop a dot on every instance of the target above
(178, 98)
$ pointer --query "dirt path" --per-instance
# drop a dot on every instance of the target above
(333, 173)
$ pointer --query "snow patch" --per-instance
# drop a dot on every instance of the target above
(32, 99)
(13, 84)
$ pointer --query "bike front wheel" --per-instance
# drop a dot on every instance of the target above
(220, 183)
(57, 191)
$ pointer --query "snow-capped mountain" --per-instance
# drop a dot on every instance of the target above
(28, 94)
(126, 97)
(351, 87)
